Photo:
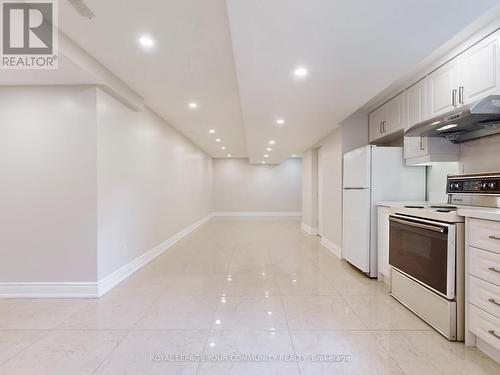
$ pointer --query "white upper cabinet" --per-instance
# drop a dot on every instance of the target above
(442, 89)
(394, 115)
(479, 71)
(387, 119)
(376, 120)
(414, 104)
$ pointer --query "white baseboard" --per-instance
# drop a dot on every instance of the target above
(112, 280)
(309, 230)
(49, 290)
(259, 214)
(93, 289)
(336, 250)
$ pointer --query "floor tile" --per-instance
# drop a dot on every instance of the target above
(342, 352)
(384, 312)
(320, 312)
(249, 313)
(64, 352)
(37, 313)
(156, 352)
(14, 342)
(248, 352)
(179, 312)
(426, 352)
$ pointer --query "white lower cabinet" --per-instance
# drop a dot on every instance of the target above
(383, 242)
(483, 285)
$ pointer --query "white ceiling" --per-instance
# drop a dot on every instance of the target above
(236, 57)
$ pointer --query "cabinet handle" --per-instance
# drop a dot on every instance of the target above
(380, 127)
(492, 300)
(494, 238)
(454, 98)
(461, 95)
(383, 126)
(494, 269)
(422, 144)
(492, 333)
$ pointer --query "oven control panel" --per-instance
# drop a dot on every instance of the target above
(474, 184)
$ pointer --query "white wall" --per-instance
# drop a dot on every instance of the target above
(243, 187)
(48, 193)
(330, 170)
(310, 192)
(89, 185)
(152, 183)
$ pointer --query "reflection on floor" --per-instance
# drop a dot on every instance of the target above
(236, 297)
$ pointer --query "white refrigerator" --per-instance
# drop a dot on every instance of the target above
(373, 174)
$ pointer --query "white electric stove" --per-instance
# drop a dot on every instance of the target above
(426, 252)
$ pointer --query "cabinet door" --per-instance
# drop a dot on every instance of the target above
(376, 119)
(393, 115)
(383, 241)
(415, 147)
(443, 89)
(414, 104)
(479, 71)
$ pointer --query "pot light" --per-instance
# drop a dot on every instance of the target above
(300, 72)
(211, 131)
(263, 162)
(446, 127)
(280, 121)
(146, 41)
(269, 149)
(266, 156)
(228, 155)
(293, 156)
(271, 142)
(193, 105)
(223, 148)
(217, 140)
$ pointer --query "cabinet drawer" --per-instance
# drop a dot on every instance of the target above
(484, 265)
(484, 295)
(485, 326)
(485, 234)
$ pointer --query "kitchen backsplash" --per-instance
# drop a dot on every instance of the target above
(481, 155)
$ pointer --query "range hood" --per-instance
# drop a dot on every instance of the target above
(468, 122)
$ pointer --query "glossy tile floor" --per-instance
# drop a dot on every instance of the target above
(259, 292)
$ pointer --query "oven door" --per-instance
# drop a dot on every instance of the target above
(425, 251)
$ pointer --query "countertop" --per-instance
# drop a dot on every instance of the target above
(402, 203)
(480, 213)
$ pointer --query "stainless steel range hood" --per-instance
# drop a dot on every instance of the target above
(468, 122)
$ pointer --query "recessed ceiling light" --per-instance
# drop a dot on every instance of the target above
(271, 142)
(223, 148)
(146, 41)
(300, 72)
(193, 105)
(294, 155)
(211, 131)
(263, 162)
(228, 155)
(266, 156)
(269, 149)
(446, 127)
(280, 121)
(217, 140)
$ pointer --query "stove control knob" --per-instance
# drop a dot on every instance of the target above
(492, 185)
(484, 185)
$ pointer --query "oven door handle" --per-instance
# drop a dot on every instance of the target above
(418, 225)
